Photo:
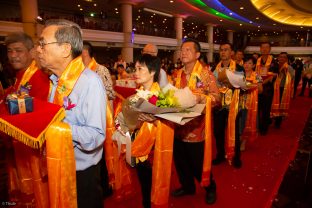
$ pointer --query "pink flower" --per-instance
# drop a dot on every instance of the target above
(153, 99)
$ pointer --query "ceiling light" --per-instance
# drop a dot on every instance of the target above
(171, 1)
(78, 5)
(231, 13)
(81, 9)
(274, 24)
(91, 14)
(257, 18)
(94, 4)
(240, 24)
(250, 22)
(265, 7)
(221, 20)
(116, 9)
(157, 12)
(241, 8)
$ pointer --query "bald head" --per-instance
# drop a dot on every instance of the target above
(150, 49)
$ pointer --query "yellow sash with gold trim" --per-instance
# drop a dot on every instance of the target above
(208, 145)
(160, 133)
(60, 152)
(266, 65)
(252, 106)
(68, 80)
(280, 108)
(233, 110)
(30, 71)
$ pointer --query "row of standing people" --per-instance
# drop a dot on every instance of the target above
(60, 54)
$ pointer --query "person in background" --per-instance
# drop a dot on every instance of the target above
(20, 56)
(152, 50)
(190, 150)
(307, 77)
(122, 74)
(120, 61)
(248, 122)
(297, 65)
(265, 64)
(203, 60)
(282, 89)
(59, 50)
(239, 57)
(90, 62)
(229, 102)
(27, 161)
(255, 55)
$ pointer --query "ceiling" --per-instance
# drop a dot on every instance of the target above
(227, 14)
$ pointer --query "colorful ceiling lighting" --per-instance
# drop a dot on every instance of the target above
(216, 8)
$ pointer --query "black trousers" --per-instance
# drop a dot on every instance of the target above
(305, 81)
(89, 190)
(264, 109)
(188, 159)
(144, 171)
(220, 119)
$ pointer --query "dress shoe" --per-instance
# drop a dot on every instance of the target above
(218, 160)
(211, 193)
(181, 192)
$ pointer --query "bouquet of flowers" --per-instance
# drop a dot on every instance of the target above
(168, 101)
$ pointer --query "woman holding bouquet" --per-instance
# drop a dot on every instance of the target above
(153, 154)
(249, 117)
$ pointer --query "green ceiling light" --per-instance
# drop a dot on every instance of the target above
(289, 12)
(201, 5)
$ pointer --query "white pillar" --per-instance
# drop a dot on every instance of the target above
(126, 16)
(210, 42)
(178, 25)
(29, 11)
(230, 36)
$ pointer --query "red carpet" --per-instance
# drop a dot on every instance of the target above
(256, 183)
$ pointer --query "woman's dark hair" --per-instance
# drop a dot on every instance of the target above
(254, 61)
(152, 63)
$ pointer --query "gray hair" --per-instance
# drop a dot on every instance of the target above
(68, 32)
(19, 37)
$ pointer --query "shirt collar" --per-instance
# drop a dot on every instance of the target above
(54, 79)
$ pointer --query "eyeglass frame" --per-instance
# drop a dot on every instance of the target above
(41, 44)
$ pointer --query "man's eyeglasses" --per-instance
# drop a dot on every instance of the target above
(42, 44)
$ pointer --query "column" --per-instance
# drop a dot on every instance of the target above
(178, 25)
(210, 42)
(230, 36)
(29, 11)
(126, 16)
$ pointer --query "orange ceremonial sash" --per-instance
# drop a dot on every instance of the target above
(208, 147)
(61, 166)
(119, 175)
(232, 66)
(60, 152)
(233, 110)
(252, 106)
(92, 65)
(280, 108)
(30, 71)
(267, 64)
(160, 133)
